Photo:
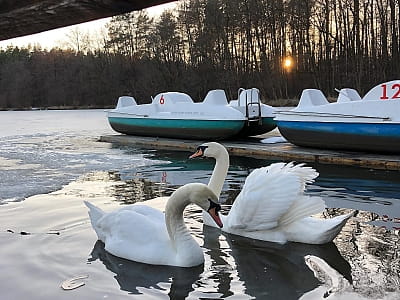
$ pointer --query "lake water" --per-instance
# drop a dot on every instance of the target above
(50, 161)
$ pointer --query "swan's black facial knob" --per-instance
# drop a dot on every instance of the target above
(214, 205)
(213, 211)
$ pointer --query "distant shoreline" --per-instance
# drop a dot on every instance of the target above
(55, 108)
(274, 103)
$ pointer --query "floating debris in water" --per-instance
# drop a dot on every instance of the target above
(21, 232)
(29, 233)
(74, 282)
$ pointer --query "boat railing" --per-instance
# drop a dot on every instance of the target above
(251, 103)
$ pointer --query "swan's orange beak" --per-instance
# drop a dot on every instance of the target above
(213, 211)
(198, 153)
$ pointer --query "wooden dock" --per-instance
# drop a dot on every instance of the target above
(254, 148)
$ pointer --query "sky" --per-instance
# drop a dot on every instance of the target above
(56, 37)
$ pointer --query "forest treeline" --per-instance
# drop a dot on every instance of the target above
(208, 44)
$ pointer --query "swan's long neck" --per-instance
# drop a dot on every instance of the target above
(220, 171)
(176, 227)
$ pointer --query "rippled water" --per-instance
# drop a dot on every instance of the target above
(50, 161)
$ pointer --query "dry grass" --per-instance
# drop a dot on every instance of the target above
(282, 102)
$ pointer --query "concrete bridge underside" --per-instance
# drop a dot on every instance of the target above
(24, 17)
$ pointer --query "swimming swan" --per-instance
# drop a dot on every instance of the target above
(144, 234)
(272, 205)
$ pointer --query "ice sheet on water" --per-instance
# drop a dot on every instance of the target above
(34, 169)
(50, 154)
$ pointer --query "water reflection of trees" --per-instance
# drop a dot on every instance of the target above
(373, 252)
(136, 189)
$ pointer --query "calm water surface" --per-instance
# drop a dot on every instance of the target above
(50, 161)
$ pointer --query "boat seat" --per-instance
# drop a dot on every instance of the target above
(347, 95)
(216, 97)
(312, 97)
(125, 101)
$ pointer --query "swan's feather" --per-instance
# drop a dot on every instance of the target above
(115, 229)
(305, 174)
(266, 196)
(304, 206)
(137, 227)
(95, 214)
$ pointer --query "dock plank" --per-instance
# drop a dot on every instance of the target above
(252, 147)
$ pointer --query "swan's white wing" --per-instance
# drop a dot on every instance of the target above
(158, 202)
(136, 232)
(153, 214)
(134, 223)
(304, 206)
(306, 175)
(266, 196)
(273, 196)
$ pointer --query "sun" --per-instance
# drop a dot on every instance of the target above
(287, 63)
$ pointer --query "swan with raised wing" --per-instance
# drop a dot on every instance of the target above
(272, 205)
(144, 234)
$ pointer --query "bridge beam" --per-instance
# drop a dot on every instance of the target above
(24, 17)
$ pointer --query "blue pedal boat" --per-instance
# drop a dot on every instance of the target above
(370, 124)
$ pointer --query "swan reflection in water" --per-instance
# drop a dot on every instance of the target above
(132, 276)
(269, 270)
(236, 265)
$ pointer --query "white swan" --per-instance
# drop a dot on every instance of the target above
(272, 205)
(144, 234)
